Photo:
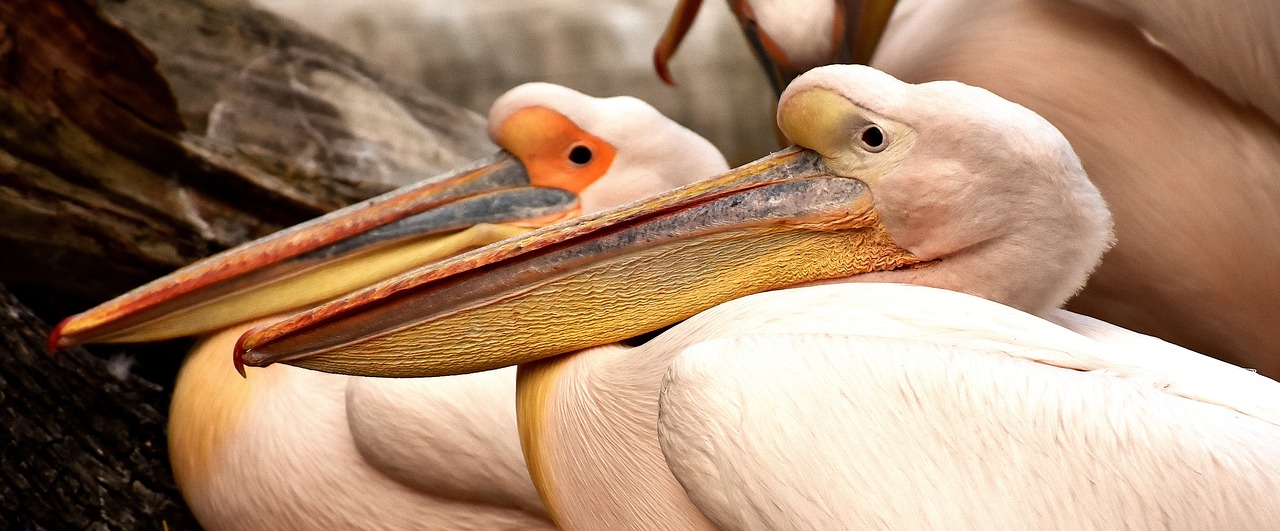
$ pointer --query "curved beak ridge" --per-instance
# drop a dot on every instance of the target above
(773, 223)
(328, 256)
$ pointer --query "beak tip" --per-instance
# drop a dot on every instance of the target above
(241, 350)
(660, 65)
(56, 340)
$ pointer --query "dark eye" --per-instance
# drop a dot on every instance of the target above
(580, 155)
(873, 139)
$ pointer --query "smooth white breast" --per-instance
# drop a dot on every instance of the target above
(282, 450)
(913, 420)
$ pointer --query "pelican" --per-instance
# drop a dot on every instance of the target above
(292, 448)
(1171, 107)
(892, 183)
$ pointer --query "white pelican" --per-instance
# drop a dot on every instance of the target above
(1170, 105)
(885, 405)
(292, 448)
(938, 184)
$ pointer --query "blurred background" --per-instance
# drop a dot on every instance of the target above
(471, 52)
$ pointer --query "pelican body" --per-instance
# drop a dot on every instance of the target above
(924, 408)
(1170, 105)
(824, 406)
(294, 449)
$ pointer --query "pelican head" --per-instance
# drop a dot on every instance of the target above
(940, 184)
(563, 153)
(985, 187)
(608, 151)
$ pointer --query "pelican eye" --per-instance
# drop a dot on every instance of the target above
(580, 155)
(873, 139)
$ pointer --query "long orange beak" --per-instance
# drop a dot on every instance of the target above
(858, 26)
(782, 220)
(328, 256)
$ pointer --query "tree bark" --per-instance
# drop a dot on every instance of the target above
(125, 153)
(137, 136)
(83, 448)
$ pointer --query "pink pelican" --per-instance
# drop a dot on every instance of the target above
(1170, 105)
(832, 405)
(291, 448)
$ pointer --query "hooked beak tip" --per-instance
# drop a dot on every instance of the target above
(56, 341)
(660, 65)
(240, 350)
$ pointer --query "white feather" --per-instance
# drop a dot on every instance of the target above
(928, 408)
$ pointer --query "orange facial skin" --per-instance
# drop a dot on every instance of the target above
(555, 151)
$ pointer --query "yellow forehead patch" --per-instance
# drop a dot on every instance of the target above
(827, 122)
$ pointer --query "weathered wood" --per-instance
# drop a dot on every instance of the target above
(126, 152)
(82, 448)
(137, 136)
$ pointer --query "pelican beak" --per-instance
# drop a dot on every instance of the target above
(779, 221)
(329, 256)
(677, 27)
(856, 30)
